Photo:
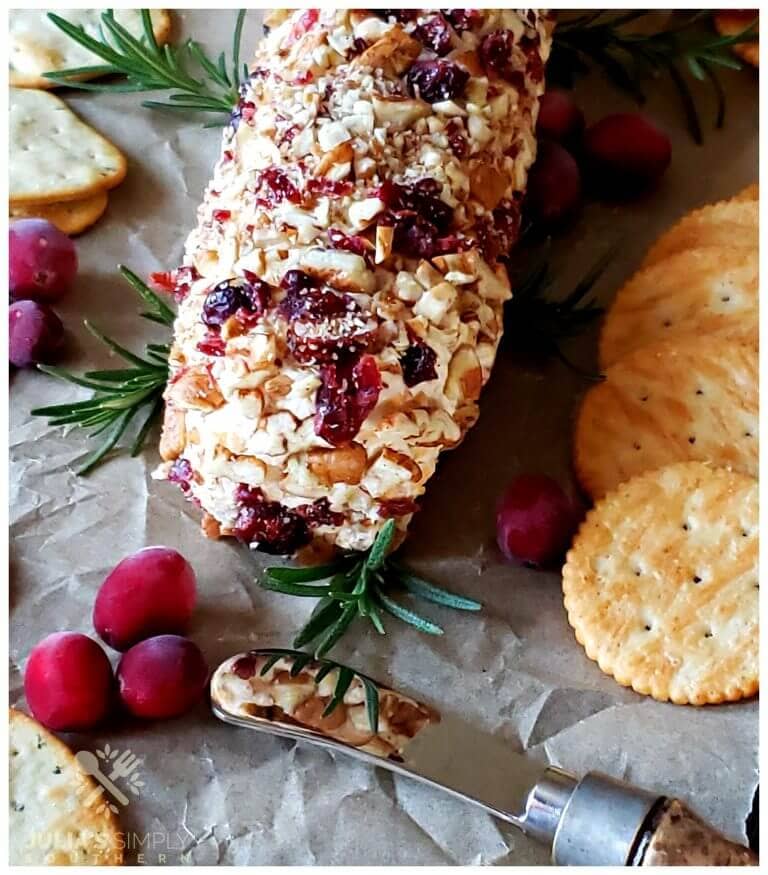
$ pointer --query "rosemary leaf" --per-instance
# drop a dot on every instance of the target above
(325, 614)
(335, 631)
(381, 545)
(345, 678)
(371, 703)
(410, 617)
(431, 593)
(286, 574)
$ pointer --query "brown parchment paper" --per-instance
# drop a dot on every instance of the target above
(213, 794)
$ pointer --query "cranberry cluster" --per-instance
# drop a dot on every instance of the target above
(277, 529)
(436, 80)
(348, 393)
(247, 297)
(421, 219)
(273, 186)
(324, 326)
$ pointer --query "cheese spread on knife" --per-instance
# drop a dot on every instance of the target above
(340, 302)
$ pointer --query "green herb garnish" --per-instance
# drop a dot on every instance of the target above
(359, 585)
(628, 58)
(346, 675)
(198, 83)
(119, 394)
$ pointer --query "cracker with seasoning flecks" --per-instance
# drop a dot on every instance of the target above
(661, 584)
(36, 45)
(56, 815)
(692, 398)
(54, 156)
(712, 290)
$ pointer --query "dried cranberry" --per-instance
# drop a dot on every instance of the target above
(331, 187)
(319, 513)
(347, 394)
(454, 130)
(313, 303)
(212, 344)
(497, 53)
(305, 22)
(175, 282)
(500, 231)
(244, 111)
(464, 19)
(359, 45)
(230, 296)
(401, 15)
(275, 186)
(435, 33)
(418, 215)
(414, 236)
(418, 363)
(227, 155)
(245, 667)
(267, 524)
(296, 280)
(534, 65)
(180, 472)
(397, 507)
(221, 215)
(436, 80)
(350, 242)
(423, 198)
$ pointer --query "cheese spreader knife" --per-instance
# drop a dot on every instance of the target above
(595, 820)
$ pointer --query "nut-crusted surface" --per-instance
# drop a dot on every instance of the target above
(661, 584)
(409, 271)
(239, 688)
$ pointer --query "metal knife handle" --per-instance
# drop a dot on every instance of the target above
(678, 837)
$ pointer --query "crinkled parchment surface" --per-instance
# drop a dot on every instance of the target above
(214, 794)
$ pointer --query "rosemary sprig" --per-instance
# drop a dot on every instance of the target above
(197, 83)
(345, 676)
(359, 585)
(535, 322)
(119, 394)
(628, 57)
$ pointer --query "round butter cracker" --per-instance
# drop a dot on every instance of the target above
(661, 584)
(698, 291)
(54, 156)
(57, 816)
(70, 217)
(727, 223)
(692, 398)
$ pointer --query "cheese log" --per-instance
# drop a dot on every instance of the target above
(340, 301)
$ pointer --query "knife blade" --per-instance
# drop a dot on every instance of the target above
(593, 821)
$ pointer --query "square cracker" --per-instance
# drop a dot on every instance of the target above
(70, 217)
(50, 823)
(54, 156)
(661, 584)
(37, 46)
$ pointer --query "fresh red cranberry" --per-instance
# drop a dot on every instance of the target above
(395, 507)
(437, 80)
(180, 473)
(535, 520)
(435, 34)
(276, 186)
(319, 513)
(347, 395)
(35, 334)
(457, 140)
(268, 525)
(464, 19)
(554, 187)
(330, 187)
(560, 118)
(418, 363)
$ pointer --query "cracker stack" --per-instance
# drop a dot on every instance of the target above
(661, 584)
